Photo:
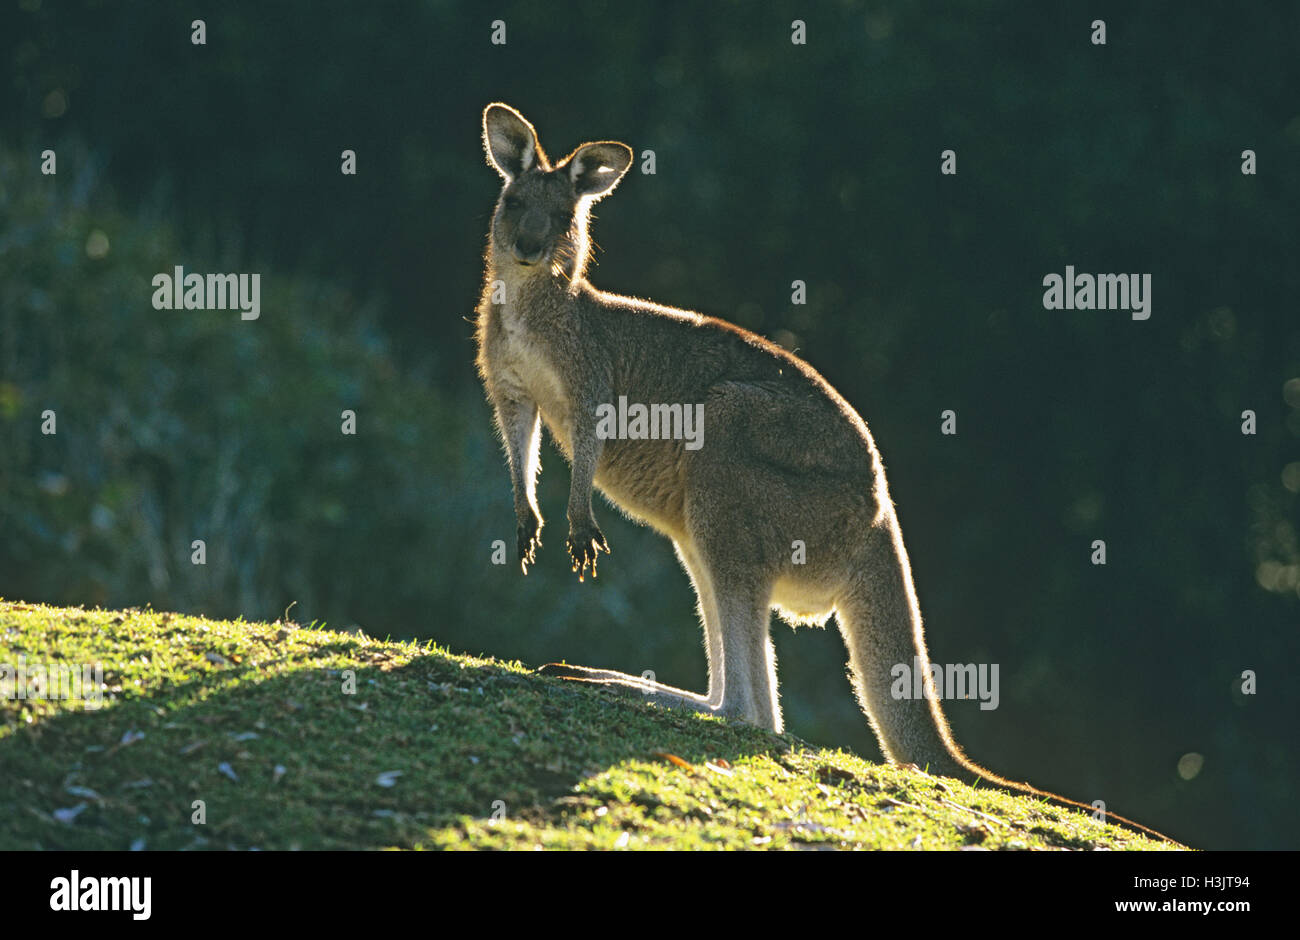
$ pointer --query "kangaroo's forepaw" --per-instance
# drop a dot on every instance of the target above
(585, 542)
(528, 540)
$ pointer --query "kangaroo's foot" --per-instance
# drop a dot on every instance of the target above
(646, 690)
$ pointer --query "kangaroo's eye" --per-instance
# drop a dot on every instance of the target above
(513, 202)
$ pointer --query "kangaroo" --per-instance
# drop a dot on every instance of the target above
(782, 458)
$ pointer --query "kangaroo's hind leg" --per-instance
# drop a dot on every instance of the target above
(739, 592)
(748, 660)
(655, 691)
(742, 665)
(707, 604)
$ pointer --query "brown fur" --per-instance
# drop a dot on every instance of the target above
(784, 457)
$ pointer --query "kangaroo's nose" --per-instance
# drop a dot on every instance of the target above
(527, 250)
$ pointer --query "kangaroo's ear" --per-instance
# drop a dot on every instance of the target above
(510, 141)
(596, 168)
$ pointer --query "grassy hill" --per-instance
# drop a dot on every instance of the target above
(288, 737)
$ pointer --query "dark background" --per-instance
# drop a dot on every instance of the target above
(774, 162)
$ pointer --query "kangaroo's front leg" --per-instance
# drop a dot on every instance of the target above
(586, 540)
(520, 426)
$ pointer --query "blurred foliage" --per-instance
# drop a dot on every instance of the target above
(774, 162)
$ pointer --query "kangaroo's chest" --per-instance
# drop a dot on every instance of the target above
(522, 363)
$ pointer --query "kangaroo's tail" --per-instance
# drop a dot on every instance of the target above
(880, 621)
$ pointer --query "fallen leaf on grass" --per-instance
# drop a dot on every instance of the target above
(69, 814)
(673, 759)
(992, 819)
(974, 832)
(129, 738)
(890, 801)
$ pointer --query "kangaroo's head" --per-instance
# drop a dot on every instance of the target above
(540, 223)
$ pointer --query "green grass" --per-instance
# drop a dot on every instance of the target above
(252, 720)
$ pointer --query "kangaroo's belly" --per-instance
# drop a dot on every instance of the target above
(645, 480)
(801, 600)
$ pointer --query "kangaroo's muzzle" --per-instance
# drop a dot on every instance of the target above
(527, 250)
